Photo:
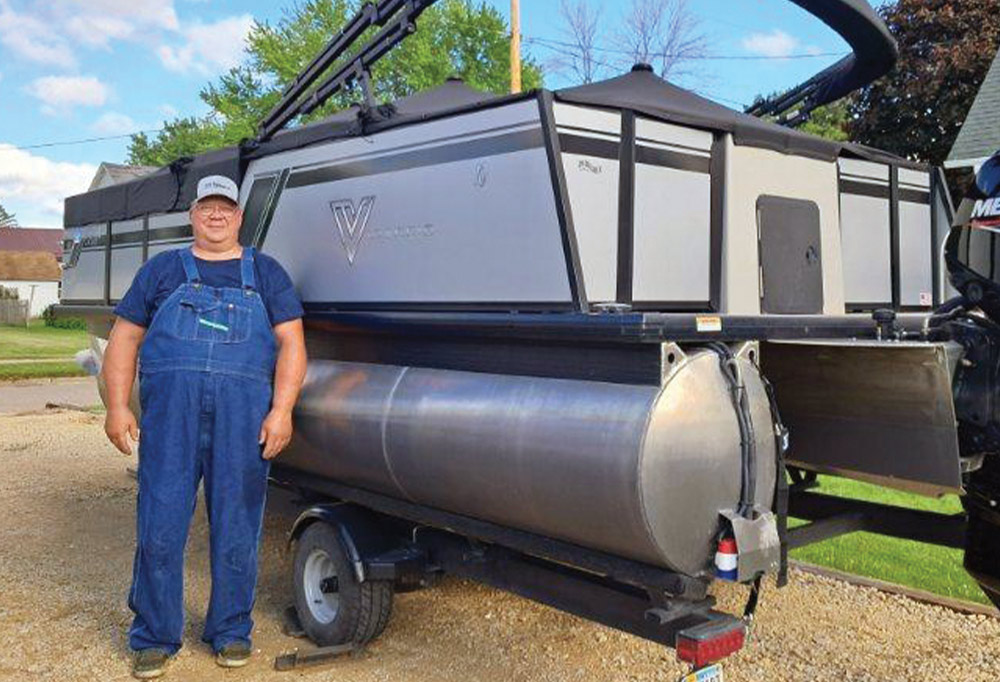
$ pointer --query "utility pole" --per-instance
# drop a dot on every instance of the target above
(515, 46)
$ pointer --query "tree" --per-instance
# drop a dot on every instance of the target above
(830, 121)
(456, 37)
(182, 137)
(579, 54)
(7, 219)
(946, 47)
(664, 34)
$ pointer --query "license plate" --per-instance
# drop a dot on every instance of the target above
(712, 673)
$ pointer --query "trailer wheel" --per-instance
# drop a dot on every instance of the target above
(333, 607)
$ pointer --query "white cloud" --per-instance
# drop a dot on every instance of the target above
(50, 33)
(777, 43)
(32, 39)
(98, 31)
(31, 184)
(114, 123)
(95, 23)
(157, 13)
(53, 33)
(59, 94)
(208, 48)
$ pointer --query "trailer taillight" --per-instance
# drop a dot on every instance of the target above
(711, 641)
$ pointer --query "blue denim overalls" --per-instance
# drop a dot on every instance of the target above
(205, 375)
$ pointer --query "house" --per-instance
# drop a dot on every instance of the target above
(32, 239)
(115, 173)
(29, 262)
(979, 137)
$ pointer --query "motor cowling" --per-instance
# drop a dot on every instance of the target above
(972, 250)
(972, 256)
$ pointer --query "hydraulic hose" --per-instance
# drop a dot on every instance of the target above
(748, 444)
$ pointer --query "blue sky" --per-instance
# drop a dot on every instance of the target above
(80, 69)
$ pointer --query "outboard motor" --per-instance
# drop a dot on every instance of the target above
(972, 256)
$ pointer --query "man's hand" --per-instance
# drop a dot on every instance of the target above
(275, 432)
(119, 375)
(119, 424)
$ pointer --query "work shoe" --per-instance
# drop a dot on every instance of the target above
(149, 663)
(233, 655)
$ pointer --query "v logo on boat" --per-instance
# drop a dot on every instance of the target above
(351, 222)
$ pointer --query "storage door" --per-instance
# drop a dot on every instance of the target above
(791, 266)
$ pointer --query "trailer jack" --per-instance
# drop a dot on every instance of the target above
(295, 659)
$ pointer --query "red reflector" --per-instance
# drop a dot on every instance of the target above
(710, 642)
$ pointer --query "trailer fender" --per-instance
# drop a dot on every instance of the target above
(359, 531)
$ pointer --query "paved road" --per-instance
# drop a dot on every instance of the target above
(30, 396)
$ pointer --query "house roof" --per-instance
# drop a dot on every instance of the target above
(979, 137)
(31, 239)
(31, 266)
(116, 173)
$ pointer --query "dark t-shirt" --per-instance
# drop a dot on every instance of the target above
(164, 272)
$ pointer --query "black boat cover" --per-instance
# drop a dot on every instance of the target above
(173, 187)
(645, 92)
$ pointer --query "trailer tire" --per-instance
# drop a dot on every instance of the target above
(333, 607)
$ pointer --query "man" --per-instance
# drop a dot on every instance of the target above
(217, 330)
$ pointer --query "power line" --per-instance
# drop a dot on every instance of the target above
(760, 57)
(63, 143)
(558, 46)
(555, 45)
(741, 105)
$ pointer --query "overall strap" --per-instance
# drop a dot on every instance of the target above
(246, 268)
(190, 269)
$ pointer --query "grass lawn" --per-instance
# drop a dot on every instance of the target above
(52, 350)
(914, 564)
(42, 369)
(39, 341)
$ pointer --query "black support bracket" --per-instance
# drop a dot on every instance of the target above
(833, 516)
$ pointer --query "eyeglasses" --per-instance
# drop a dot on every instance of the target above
(209, 209)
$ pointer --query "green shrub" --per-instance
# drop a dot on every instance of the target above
(62, 322)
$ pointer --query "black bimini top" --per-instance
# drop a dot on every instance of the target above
(646, 93)
(173, 187)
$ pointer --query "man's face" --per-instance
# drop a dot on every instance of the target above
(217, 220)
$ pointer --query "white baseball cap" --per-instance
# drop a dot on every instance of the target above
(217, 186)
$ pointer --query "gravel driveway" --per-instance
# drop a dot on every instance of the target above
(32, 395)
(66, 533)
